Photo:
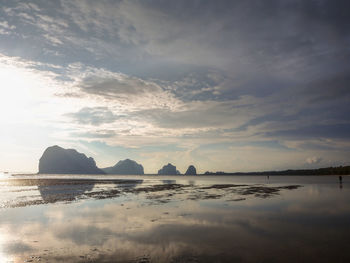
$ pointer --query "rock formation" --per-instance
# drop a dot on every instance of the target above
(168, 169)
(125, 167)
(56, 160)
(191, 170)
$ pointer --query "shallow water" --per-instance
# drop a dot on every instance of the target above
(174, 219)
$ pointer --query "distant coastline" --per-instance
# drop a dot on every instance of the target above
(340, 170)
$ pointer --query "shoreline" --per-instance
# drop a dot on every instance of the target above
(178, 175)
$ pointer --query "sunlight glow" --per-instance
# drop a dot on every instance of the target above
(3, 257)
(26, 94)
(17, 92)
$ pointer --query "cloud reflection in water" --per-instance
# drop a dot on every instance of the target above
(305, 224)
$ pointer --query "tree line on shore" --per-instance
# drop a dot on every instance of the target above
(340, 170)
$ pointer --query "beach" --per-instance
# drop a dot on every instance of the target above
(70, 218)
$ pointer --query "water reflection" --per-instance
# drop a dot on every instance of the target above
(55, 193)
(168, 181)
(24, 192)
(306, 224)
(340, 182)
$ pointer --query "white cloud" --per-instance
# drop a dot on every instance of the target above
(6, 25)
(123, 92)
(5, 28)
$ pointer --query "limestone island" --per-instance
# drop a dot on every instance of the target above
(168, 169)
(126, 167)
(191, 170)
(57, 160)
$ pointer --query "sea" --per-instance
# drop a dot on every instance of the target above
(85, 218)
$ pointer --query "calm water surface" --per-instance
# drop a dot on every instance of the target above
(174, 219)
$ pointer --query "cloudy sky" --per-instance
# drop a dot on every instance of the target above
(224, 85)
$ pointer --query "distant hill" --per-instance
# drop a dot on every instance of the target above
(125, 167)
(168, 169)
(57, 160)
(341, 170)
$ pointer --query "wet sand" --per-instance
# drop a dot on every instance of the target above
(187, 219)
(69, 190)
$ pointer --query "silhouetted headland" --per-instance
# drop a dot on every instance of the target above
(125, 167)
(57, 160)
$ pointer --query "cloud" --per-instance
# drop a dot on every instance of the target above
(329, 89)
(93, 116)
(313, 160)
(207, 114)
(316, 131)
(5, 28)
(137, 73)
(154, 34)
(235, 34)
(115, 87)
(126, 92)
(16, 248)
(87, 235)
(99, 134)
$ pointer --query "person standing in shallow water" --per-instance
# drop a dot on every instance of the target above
(340, 182)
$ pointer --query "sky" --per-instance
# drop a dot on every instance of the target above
(223, 85)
